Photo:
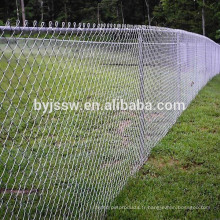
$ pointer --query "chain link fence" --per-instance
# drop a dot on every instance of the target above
(71, 164)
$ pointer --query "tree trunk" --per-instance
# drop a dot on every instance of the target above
(17, 10)
(42, 10)
(122, 15)
(148, 12)
(98, 19)
(52, 9)
(23, 12)
(65, 11)
(203, 18)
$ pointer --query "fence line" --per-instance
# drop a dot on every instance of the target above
(72, 163)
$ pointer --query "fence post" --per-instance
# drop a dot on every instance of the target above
(210, 74)
(141, 78)
(205, 65)
(197, 82)
(216, 60)
(179, 64)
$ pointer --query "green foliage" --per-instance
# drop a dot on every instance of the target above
(111, 10)
(217, 34)
(182, 14)
(187, 15)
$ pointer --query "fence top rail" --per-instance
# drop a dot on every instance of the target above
(100, 28)
(84, 29)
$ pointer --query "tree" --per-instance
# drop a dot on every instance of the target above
(23, 12)
(148, 12)
(203, 17)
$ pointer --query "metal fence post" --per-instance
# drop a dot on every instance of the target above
(196, 70)
(205, 64)
(179, 64)
(141, 77)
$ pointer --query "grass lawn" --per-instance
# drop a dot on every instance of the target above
(183, 169)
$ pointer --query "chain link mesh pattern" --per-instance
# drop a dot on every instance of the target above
(71, 164)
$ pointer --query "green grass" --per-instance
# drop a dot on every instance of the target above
(183, 169)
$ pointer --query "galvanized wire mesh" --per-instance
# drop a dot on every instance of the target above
(72, 164)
